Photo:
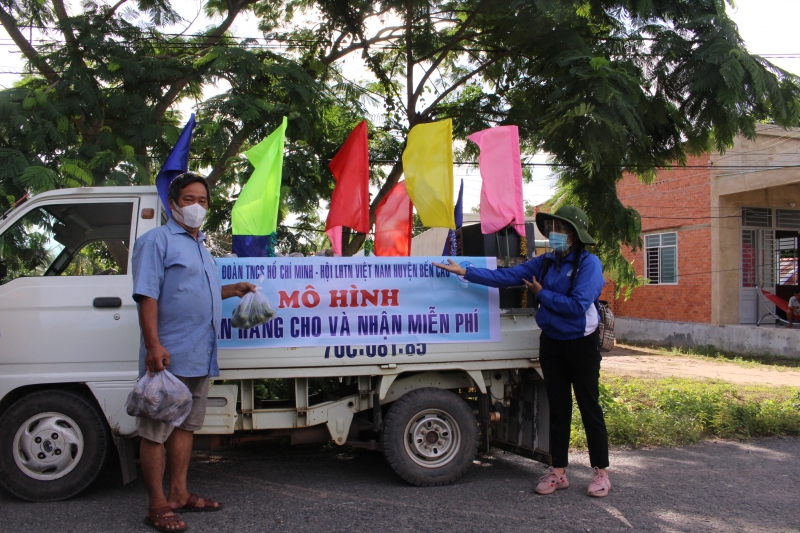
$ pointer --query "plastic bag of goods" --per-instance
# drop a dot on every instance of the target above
(160, 396)
(253, 310)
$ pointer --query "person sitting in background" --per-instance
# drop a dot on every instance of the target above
(794, 307)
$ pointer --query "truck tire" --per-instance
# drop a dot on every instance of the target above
(53, 444)
(430, 437)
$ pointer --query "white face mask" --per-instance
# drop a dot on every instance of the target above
(191, 216)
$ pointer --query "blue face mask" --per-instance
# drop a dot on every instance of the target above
(558, 242)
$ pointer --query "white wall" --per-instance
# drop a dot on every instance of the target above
(760, 340)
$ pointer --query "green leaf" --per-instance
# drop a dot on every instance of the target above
(598, 62)
(78, 171)
(206, 59)
(37, 179)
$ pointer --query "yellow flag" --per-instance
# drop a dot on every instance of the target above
(428, 166)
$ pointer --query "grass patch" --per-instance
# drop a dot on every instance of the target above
(753, 360)
(676, 412)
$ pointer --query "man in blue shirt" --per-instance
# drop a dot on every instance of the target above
(176, 284)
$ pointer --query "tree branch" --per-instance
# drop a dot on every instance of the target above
(391, 180)
(211, 39)
(337, 42)
(335, 56)
(233, 148)
(428, 110)
(113, 10)
(446, 49)
(63, 22)
(26, 48)
(410, 102)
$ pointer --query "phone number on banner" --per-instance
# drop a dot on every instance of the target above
(380, 350)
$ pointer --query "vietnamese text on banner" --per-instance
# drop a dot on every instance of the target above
(366, 301)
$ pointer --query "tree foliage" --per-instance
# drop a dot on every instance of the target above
(101, 105)
(603, 86)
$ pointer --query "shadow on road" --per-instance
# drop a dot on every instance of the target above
(722, 486)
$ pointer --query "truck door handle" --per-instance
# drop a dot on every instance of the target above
(108, 301)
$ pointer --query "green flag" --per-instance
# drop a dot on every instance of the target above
(256, 210)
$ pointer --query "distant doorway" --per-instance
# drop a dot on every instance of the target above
(770, 259)
(788, 260)
(758, 270)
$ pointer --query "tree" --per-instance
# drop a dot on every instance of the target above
(604, 86)
(100, 106)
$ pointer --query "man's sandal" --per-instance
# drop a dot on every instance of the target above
(159, 518)
(208, 505)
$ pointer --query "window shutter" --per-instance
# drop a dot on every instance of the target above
(757, 217)
(788, 218)
(669, 264)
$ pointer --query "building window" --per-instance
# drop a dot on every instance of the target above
(661, 255)
(757, 217)
(788, 218)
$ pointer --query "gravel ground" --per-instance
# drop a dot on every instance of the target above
(647, 363)
(718, 486)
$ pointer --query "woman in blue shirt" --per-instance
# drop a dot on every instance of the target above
(568, 282)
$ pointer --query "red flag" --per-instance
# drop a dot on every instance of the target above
(350, 200)
(393, 220)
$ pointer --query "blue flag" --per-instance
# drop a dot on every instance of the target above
(450, 247)
(176, 164)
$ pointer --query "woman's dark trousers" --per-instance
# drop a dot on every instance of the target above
(568, 365)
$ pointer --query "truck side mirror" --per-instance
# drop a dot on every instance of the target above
(3, 270)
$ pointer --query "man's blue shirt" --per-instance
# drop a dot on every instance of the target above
(170, 266)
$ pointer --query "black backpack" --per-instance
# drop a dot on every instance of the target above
(605, 317)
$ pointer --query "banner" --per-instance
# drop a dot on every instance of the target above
(375, 301)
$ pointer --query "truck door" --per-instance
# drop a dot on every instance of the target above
(66, 311)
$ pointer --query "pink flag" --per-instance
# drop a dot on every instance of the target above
(350, 200)
(393, 221)
(501, 170)
(335, 236)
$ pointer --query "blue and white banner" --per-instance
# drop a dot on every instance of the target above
(324, 301)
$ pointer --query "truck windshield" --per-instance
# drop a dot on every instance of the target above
(81, 239)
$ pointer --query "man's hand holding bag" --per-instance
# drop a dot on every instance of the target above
(160, 396)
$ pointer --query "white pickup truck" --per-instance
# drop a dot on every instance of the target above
(69, 339)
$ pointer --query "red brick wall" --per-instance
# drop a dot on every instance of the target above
(678, 200)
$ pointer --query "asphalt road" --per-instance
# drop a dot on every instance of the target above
(722, 486)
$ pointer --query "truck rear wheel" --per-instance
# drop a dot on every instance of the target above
(53, 444)
(430, 437)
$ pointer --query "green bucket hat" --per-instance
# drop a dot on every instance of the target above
(572, 215)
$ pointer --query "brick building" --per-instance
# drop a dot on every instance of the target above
(716, 229)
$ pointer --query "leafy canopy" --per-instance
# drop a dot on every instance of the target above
(604, 86)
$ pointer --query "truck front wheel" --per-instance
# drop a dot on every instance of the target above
(430, 437)
(53, 444)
